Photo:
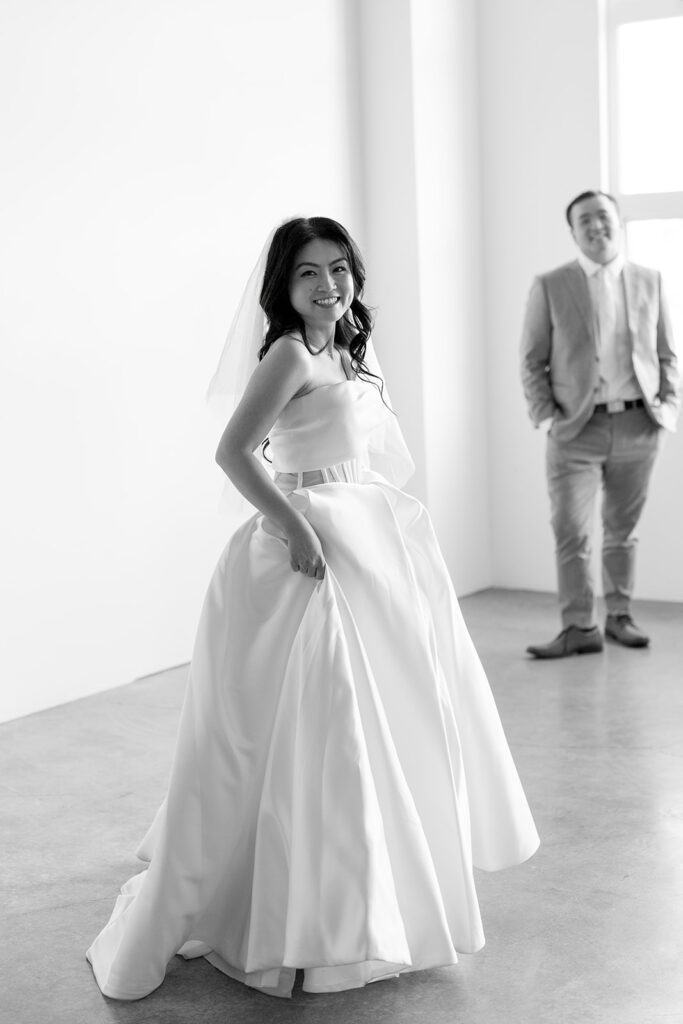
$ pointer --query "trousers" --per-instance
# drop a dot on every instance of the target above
(614, 453)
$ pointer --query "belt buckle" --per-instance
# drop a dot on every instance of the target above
(617, 405)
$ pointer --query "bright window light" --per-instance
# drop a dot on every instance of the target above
(650, 96)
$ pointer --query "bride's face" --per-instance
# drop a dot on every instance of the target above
(321, 285)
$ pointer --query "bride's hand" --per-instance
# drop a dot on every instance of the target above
(305, 550)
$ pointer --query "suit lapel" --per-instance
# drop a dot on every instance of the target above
(578, 288)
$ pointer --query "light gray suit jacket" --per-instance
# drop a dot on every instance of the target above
(559, 351)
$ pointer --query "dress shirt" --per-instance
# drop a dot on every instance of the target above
(606, 287)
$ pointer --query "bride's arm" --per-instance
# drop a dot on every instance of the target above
(283, 371)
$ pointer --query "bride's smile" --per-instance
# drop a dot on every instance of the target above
(321, 288)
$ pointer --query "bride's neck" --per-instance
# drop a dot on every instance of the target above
(319, 341)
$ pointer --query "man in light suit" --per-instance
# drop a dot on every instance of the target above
(598, 365)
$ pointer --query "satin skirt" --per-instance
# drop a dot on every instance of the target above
(340, 766)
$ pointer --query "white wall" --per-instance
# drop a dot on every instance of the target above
(148, 148)
(390, 243)
(539, 80)
(423, 231)
(447, 148)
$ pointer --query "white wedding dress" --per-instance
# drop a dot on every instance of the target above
(340, 764)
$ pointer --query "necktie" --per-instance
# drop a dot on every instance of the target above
(605, 312)
(606, 324)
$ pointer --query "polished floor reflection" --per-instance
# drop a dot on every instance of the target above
(588, 932)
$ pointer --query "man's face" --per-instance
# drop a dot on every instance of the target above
(596, 228)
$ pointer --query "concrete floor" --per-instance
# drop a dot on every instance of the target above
(590, 931)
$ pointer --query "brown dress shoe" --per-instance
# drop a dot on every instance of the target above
(622, 628)
(571, 640)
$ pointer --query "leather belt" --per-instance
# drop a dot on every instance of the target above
(620, 405)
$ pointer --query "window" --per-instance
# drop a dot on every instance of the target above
(644, 51)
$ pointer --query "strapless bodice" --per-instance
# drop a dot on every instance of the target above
(330, 425)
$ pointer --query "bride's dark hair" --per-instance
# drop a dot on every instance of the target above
(352, 331)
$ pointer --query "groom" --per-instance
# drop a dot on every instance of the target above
(598, 366)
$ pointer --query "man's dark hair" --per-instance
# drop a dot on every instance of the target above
(588, 195)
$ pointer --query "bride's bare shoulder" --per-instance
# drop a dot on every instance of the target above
(289, 347)
(288, 359)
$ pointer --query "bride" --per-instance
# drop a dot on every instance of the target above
(340, 765)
